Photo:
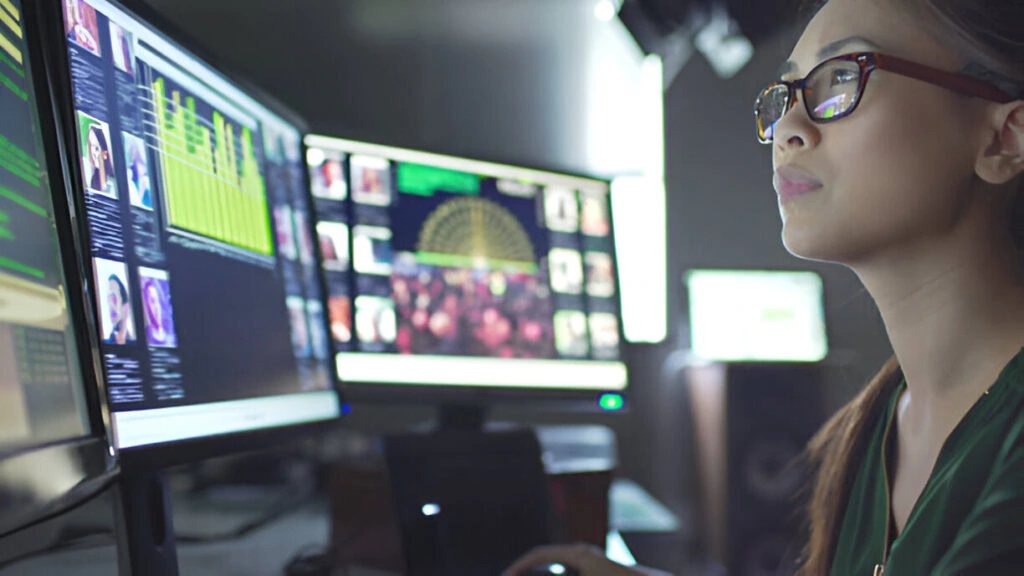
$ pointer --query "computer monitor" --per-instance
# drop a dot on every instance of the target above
(459, 279)
(52, 439)
(202, 267)
(756, 315)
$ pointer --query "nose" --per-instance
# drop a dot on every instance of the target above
(795, 131)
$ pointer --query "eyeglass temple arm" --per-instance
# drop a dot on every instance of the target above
(957, 82)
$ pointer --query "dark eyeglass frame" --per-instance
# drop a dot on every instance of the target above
(868, 63)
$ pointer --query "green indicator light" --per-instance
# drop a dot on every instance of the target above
(611, 402)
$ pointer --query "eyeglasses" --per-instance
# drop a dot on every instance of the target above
(833, 88)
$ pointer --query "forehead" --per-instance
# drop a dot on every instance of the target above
(887, 23)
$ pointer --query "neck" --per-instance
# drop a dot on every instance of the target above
(954, 311)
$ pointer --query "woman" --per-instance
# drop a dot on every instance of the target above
(138, 174)
(77, 30)
(158, 327)
(120, 312)
(101, 169)
(908, 171)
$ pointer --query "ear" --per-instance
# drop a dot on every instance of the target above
(1003, 159)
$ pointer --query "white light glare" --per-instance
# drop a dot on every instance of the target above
(431, 509)
(726, 51)
(556, 569)
(314, 157)
(639, 206)
(604, 10)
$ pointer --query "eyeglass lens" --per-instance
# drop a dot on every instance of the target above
(830, 91)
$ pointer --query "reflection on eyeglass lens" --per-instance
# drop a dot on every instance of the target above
(831, 107)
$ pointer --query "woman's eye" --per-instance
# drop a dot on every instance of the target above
(842, 76)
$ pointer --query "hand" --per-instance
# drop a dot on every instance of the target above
(588, 560)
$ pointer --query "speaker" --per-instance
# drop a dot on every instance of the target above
(752, 423)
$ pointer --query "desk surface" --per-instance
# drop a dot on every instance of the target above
(266, 550)
(262, 552)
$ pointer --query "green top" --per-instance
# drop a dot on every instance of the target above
(969, 518)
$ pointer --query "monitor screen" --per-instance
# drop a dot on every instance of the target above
(756, 316)
(446, 271)
(206, 287)
(41, 391)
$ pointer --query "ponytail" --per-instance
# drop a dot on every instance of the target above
(835, 454)
(1017, 219)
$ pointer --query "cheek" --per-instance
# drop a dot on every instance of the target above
(896, 172)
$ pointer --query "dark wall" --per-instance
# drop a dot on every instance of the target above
(512, 87)
(482, 78)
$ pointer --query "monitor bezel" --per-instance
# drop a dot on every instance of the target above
(89, 458)
(562, 400)
(166, 454)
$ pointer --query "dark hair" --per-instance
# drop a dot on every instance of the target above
(108, 165)
(122, 291)
(989, 36)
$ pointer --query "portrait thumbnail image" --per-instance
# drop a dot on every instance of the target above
(333, 238)
(561, 210)
(122, 49)
(604, 335)
(327, 174)
(317, 334)
(299, 326)
(114, 302)
(136, 162)
(339, 310)
(97, 158)
(571, 333)
(303, 237)
(156, 303)
(371, 250)
(80, 26)
(600, 274)
(375, 320)
(371, 180)
(594, 216)
(284, 231)
(566, 268)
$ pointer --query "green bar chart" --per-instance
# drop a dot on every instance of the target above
(211, 175)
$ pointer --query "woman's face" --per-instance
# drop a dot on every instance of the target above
(114, 298)
(153, 304)
(139, 165)
(95, 151)
(897, 170)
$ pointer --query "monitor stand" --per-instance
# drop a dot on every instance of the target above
(461, 417)
(145, 524)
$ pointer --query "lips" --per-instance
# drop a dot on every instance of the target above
(791, 182)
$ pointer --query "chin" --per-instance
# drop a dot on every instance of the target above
(818, 244)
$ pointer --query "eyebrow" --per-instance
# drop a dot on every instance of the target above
(829, 50)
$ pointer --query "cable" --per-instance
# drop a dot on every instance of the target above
(316, 560)
(282, 507)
